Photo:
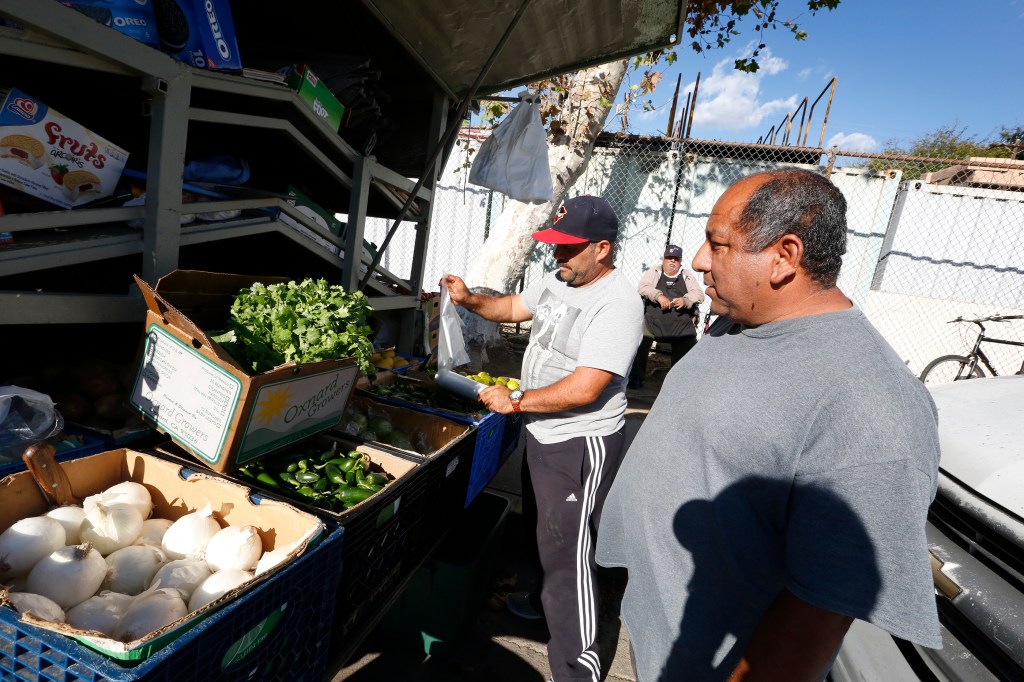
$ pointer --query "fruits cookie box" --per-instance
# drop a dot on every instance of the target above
(48, 155)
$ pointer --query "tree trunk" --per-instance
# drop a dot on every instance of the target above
(503, 257)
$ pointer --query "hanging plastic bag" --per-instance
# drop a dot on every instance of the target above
(514, 159)
(451, 352)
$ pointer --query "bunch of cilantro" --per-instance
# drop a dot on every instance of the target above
(306, 321)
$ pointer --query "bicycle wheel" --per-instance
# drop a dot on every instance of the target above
(948, 368)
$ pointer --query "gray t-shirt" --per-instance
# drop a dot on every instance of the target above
(810, 467)
(597, 326)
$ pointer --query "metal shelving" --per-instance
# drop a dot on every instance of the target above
(59, 36)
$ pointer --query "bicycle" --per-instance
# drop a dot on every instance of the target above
(956, 367)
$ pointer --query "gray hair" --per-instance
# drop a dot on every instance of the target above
(807, 205)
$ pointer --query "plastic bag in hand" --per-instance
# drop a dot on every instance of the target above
(514, 159)
(451, 352)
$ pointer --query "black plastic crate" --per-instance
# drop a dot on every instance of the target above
(385, 544)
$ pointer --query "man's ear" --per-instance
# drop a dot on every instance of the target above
(602, 249)
(788, 251)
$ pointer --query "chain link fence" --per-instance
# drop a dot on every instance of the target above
(929, 240)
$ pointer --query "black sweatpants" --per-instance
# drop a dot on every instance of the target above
(569, 482)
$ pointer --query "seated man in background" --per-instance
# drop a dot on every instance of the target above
(671, 295)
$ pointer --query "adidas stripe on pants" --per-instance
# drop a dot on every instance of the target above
(570, 481)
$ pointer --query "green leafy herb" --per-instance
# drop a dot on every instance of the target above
(302, 322)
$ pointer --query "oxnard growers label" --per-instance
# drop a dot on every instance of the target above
(187, 395)
(291, 409)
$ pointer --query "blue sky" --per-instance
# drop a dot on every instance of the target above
(903, 67)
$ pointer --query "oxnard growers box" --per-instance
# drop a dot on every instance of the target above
(192, 390)
(50, 156)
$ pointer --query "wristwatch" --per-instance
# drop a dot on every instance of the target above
(515, 397)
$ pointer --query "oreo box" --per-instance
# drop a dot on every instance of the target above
(134, 18)
(48, 155)
(198, 32)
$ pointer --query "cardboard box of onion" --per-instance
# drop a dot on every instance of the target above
(272, 618)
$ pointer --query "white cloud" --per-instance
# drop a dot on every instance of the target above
(731, 100)
(804, 74)
(853, 142)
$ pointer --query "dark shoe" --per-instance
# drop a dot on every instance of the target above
(519, 604)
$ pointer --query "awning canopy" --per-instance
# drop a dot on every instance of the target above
(453, 39)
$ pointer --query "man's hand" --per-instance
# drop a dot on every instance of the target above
(664, 302)
(457, 289)
(495, 399)
(679, 303)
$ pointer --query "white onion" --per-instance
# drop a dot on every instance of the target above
(237, 547)
(275, 557)
(153, 531)
(101, 613)
(38, 605)
(216, 586)
(126, 492)
(70, 517)
(112, 527)
(26, 542)
(184, 575)
(69, 575)
(188, 536)
(132, 568)
(150, 611)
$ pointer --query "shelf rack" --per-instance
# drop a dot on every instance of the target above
(178, 101)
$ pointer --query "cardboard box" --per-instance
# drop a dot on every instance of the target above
(316, 95)
(200, 33)
(50, 156)
(317, 213)
(196, 393)
(429, 434)
(175, 492)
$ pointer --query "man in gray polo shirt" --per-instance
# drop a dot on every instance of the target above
(587, 322)
(756, 531)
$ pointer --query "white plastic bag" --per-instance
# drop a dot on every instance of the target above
(451, 352)
(514, 159)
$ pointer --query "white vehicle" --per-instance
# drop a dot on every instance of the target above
(976, 537)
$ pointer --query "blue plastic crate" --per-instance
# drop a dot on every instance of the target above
(486, 454)
(280, 629)
(91, 444)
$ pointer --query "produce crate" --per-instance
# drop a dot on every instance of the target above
(279, 630)
(246, 616)
(434, 434)
(443, 598)
(89, 445)
(387, 541)
(492, 446)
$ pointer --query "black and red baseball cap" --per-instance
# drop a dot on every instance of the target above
(581, 220)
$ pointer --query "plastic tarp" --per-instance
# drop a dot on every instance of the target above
(454, 39)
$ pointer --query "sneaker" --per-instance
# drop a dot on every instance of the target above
(519, 604)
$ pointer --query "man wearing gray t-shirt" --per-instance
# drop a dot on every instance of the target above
(587, 322)
(755, 532)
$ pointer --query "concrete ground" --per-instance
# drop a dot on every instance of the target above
(498, 646)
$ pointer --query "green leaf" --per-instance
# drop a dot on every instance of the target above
(302, 322)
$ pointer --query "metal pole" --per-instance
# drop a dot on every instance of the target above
(452, 131)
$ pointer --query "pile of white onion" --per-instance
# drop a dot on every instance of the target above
(107, 568)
